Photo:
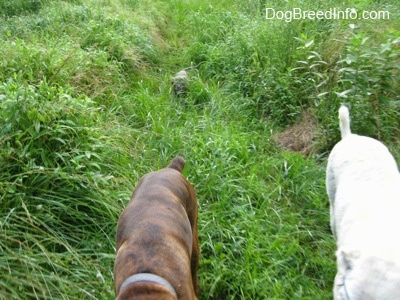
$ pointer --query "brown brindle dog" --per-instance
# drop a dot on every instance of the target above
(157, 242)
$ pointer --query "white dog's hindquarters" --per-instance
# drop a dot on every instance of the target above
(363, 185)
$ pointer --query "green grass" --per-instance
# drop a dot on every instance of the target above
(86, 110)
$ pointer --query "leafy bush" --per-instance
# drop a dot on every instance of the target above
(369, 76)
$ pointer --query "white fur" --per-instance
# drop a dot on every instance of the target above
(363, 185)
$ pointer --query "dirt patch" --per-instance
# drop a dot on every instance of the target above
(301, 136)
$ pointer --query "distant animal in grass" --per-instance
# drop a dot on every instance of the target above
(363, 185)
(180, 83)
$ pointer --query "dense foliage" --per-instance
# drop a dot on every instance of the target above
(86, 109)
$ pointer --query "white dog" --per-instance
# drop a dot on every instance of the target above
(363, 185)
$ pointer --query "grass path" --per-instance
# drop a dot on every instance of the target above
(86, 110)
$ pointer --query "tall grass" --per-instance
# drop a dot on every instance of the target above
(59, 191)
(86, 109)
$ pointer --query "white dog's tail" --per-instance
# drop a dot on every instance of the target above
(344, 121)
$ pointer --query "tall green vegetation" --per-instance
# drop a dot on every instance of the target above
(86, 109)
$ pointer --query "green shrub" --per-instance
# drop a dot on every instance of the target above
(369, 78)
